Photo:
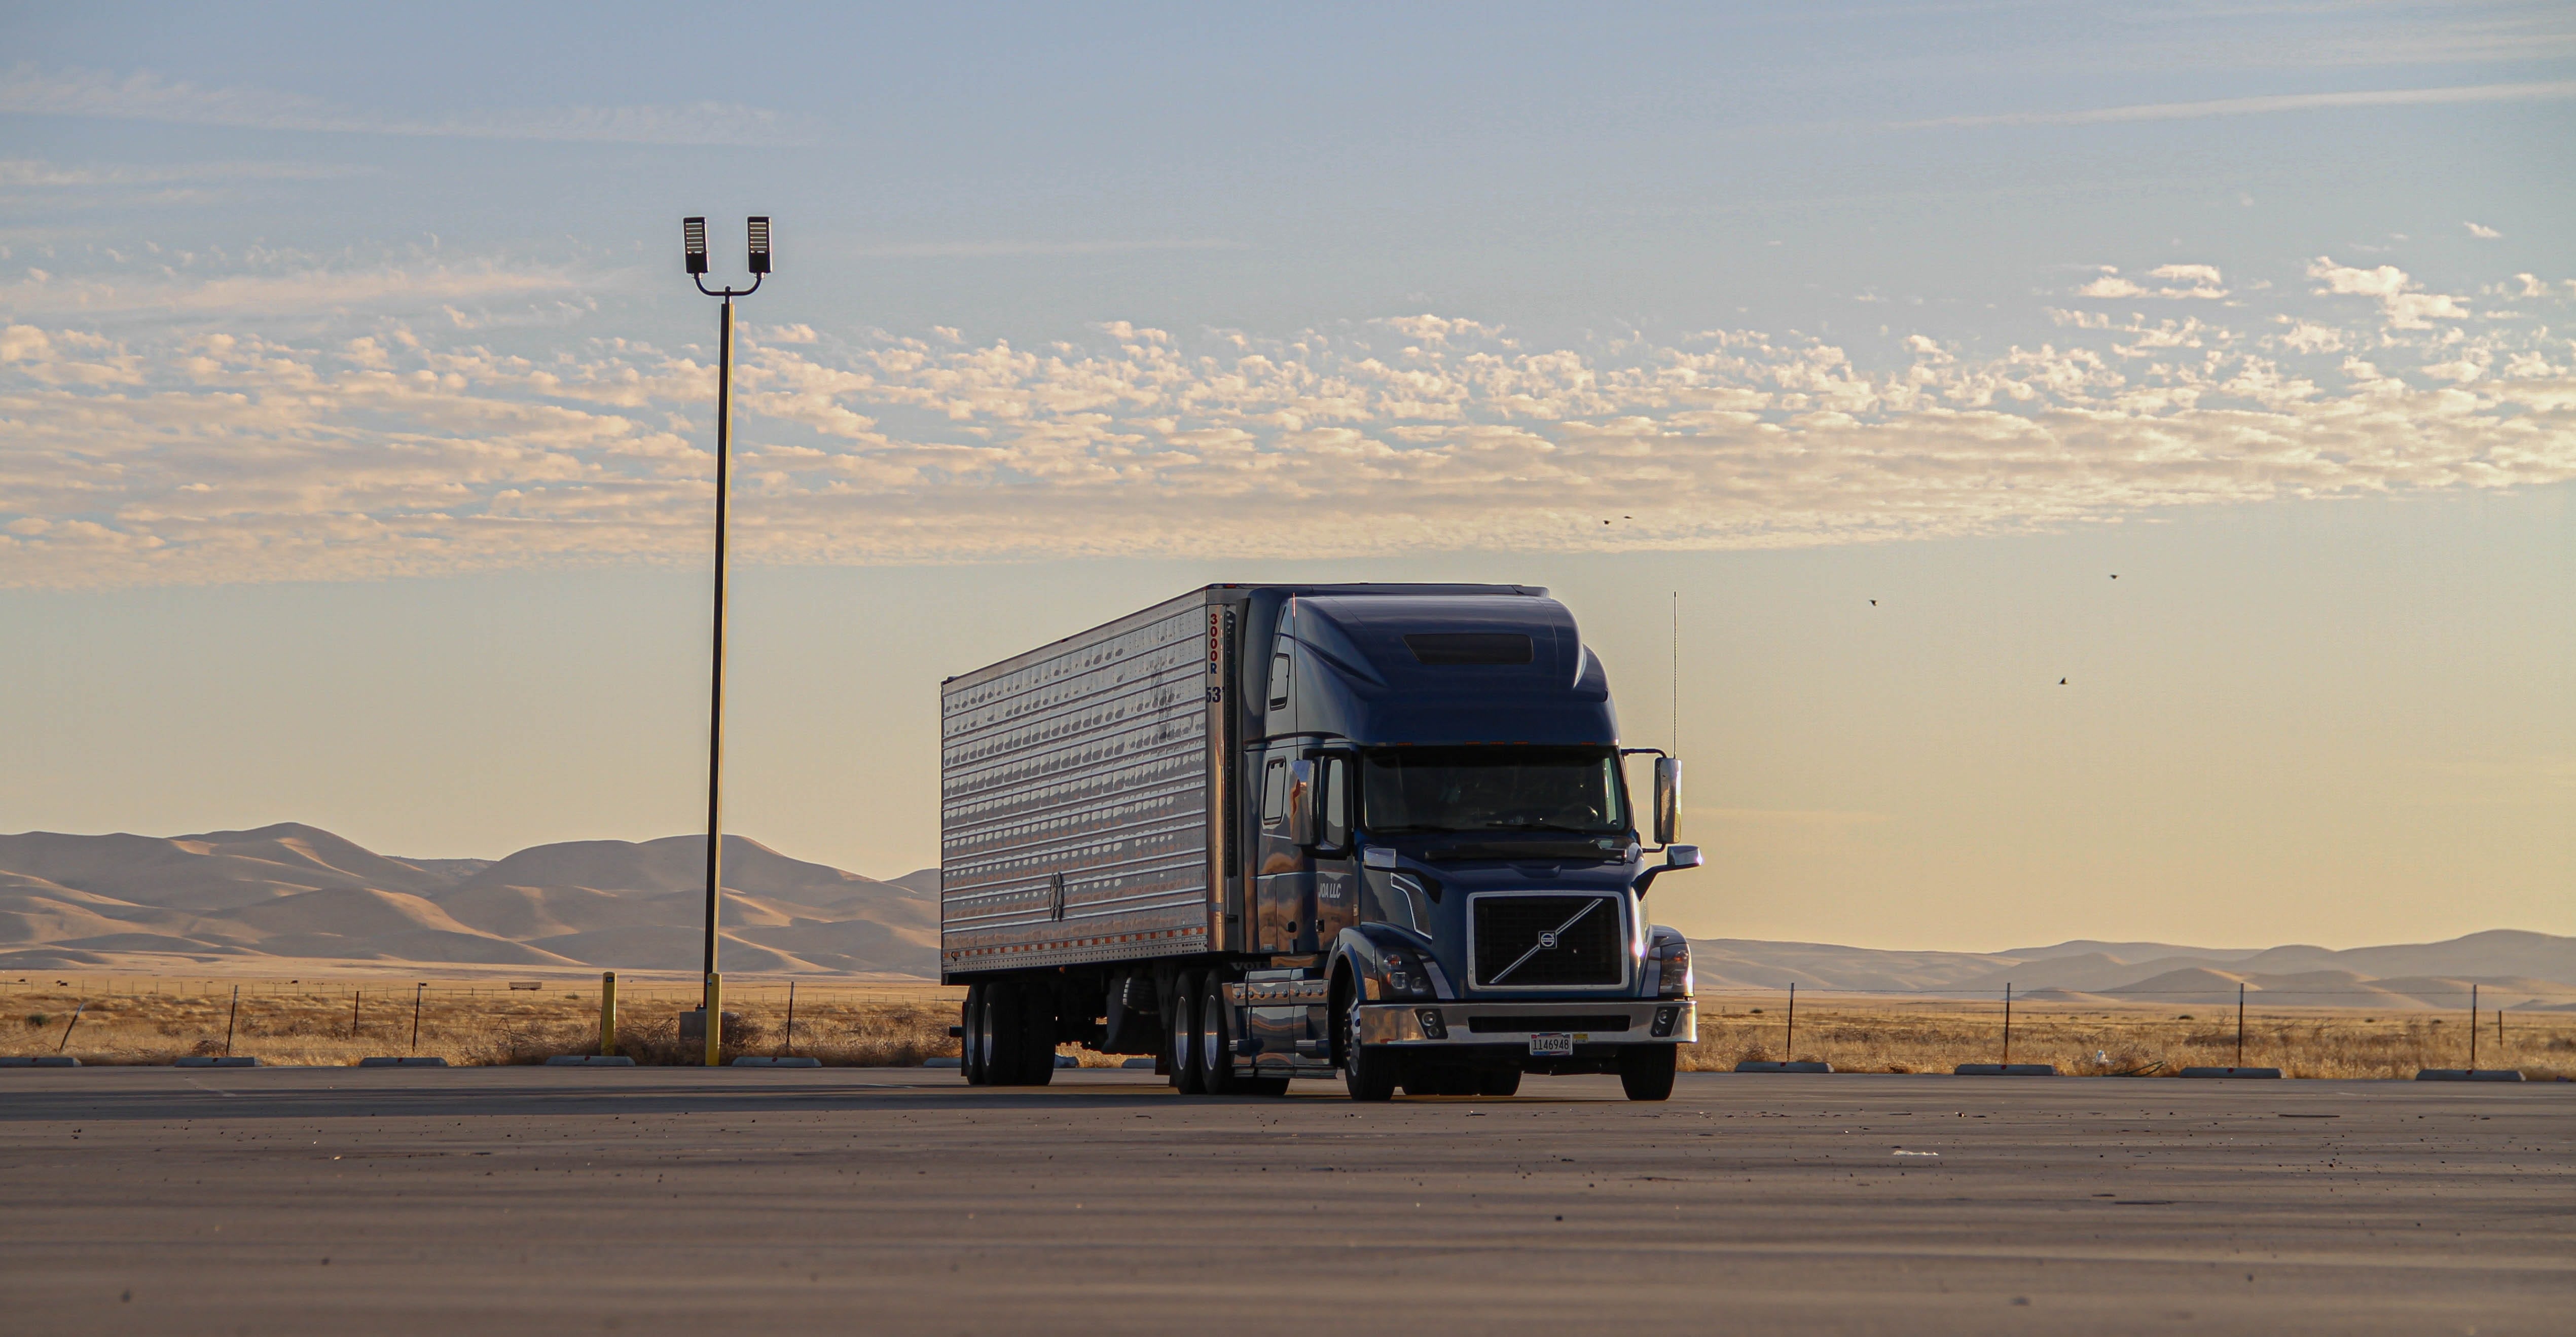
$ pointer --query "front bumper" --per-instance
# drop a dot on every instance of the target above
(1616, 1021)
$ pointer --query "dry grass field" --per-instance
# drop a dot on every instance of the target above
(339, 1022)
(315, 1022)
(1881, 1035)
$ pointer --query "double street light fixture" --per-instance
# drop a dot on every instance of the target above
(693, 233)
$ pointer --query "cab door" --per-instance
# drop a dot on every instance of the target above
(1283, 882)
(1335, 855)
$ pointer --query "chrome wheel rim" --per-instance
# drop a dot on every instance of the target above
(1184, 1050)
(1209, 1029)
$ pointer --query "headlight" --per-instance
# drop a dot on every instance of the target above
(1406, 976)
(1672, 956)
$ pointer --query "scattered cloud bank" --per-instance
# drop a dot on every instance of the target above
(28, 89)
(397, 446)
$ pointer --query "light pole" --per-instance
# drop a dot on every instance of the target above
(693, 232)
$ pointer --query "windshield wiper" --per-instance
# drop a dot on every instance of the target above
(1554, 826)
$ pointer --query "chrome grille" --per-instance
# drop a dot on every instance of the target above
(1548, 941)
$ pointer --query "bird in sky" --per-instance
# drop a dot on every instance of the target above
(1873, 603)
(2061, 682)
(2115, 575)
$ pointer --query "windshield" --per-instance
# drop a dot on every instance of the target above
(1572, 789)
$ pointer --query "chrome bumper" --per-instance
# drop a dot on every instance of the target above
(1513, 1023)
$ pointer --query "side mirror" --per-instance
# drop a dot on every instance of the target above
(1301, 803)
(1675, 857)
(1668, 799)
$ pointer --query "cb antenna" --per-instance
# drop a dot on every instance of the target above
(1677, 673)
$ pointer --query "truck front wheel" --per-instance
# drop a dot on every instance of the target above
(1646, 1071)
(1368, 1071)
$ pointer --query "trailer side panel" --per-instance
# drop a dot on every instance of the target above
(1078, 803)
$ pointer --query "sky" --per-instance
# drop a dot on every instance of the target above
(356, 419)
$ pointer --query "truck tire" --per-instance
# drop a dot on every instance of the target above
(1498, 1082)
(1368, 1071)
(1001, 1033)
(1646, 1071)
(1021, 1022)
(975, 1043)
(1185, 1034)
(1215, 1042)
(1037, 1034)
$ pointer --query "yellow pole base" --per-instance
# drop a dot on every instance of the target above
(715, 1020)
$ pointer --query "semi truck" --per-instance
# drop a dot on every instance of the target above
(1262, 832)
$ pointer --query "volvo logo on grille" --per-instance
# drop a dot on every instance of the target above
(1547, 941)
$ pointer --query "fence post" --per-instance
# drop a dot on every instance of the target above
(608, 1013)
(788, 1044)
(229, 1024)
(2240, 1023)
(2473, 1027)
(715, 1018)
(84, 1007)
(1790, 1046)
(416, 992)
(2007, 1021)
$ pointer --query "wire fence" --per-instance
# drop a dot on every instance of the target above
(2310, 1031)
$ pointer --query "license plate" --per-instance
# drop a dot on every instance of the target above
(1554, 1042)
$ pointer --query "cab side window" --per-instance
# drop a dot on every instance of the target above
(1334, 800)
(1274, 795)
(1279, 682)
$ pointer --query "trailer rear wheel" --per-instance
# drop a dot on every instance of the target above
(1646, 1071)
(1037, 1034)
(1215, 1038)
(1021, 1024)
(1368, 1071)
(975, 1046)
(1184, 1034)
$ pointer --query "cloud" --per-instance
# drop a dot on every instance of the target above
(388, 289)
(2406, 308)
(2480, 232)
(36, 173)
(30, 90)
(2258, 106)
(2201, 281)
(203, 451)
(978, 249)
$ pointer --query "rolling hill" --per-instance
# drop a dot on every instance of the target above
(290, 894)
(293, 898)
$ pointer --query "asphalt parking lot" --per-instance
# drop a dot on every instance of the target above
(671, 1200)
